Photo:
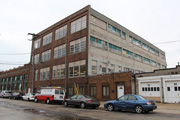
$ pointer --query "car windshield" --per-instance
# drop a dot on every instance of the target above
(87, 96)
(141, 97)
(7, 92)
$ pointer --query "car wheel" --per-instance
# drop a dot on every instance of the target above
(35, 100)
(83, 105)
(110, 107)
(47, 101)
(28, 99)
(138, 109)
(65, 104)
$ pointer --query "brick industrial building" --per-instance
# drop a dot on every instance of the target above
(15, 79)
(96, 49)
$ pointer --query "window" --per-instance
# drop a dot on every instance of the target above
(136, 42)
(60, 51)
(130, 38)
(36, 59)
(98, 43)
(138, 57)
(71, 92)
(78, 45)
(125, 97)
(158, 64)
(152, 89)
(119, 68)
(112, 68)
(144, 46)
(146, 60)
(44, 73)
(168, 89)
(115, 49)
(78, 24)
(104, 65)
(92, 90)
(77, 68)
(37, 43)
(114, 30)
(153, 63)
(175, 88)
(163, 56)
(128, 69)
(46, 56)
(127, 53)
(157, 88)
(58, 71)
(105, 91)
(81, 90)
(94, 67)
(61, 32)
(152, 50)
(143, 89)
(47, 39)
(36, 75)
(123, 35)
(132, 97)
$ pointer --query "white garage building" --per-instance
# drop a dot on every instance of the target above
(162, 88)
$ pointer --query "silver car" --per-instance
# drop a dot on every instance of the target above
(5, 94)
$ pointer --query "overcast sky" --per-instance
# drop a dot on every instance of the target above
(157, 21)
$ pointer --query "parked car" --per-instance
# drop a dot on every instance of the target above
(50, 94)
(5, 94)
(28, 96)
(16, 96)
(82, 101)
(135, 103)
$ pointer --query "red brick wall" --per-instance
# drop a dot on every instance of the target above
(112, 80)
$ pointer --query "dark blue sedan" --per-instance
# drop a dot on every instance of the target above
(135, 103)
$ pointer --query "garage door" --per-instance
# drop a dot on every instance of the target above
(150, 89)
(172, 92)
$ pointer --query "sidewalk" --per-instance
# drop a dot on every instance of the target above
(161, 108)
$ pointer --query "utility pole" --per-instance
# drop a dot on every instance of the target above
(33, 38)
(66, 65)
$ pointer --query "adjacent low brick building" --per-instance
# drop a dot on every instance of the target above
(111, 86)
(15, 79)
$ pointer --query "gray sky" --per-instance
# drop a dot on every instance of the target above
(157, 21)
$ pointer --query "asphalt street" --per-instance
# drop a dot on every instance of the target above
(25, 110)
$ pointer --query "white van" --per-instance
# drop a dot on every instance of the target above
(50, 94)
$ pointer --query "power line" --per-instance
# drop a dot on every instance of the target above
(14, 53)
(168, 42)
(10, 64)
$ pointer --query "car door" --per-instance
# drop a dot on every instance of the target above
(131, 102)
(72, 100)
(121, 102)
(78, 100)
(26, 96)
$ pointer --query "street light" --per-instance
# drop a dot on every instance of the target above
(33, 38)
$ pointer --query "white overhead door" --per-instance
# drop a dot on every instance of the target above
(172, 91)
(150, 89)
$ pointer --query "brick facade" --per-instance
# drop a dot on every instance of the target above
(8, 79)
(112, 80)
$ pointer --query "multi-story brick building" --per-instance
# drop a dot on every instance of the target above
(93, 44)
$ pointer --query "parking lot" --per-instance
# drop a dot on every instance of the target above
(20, 110)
